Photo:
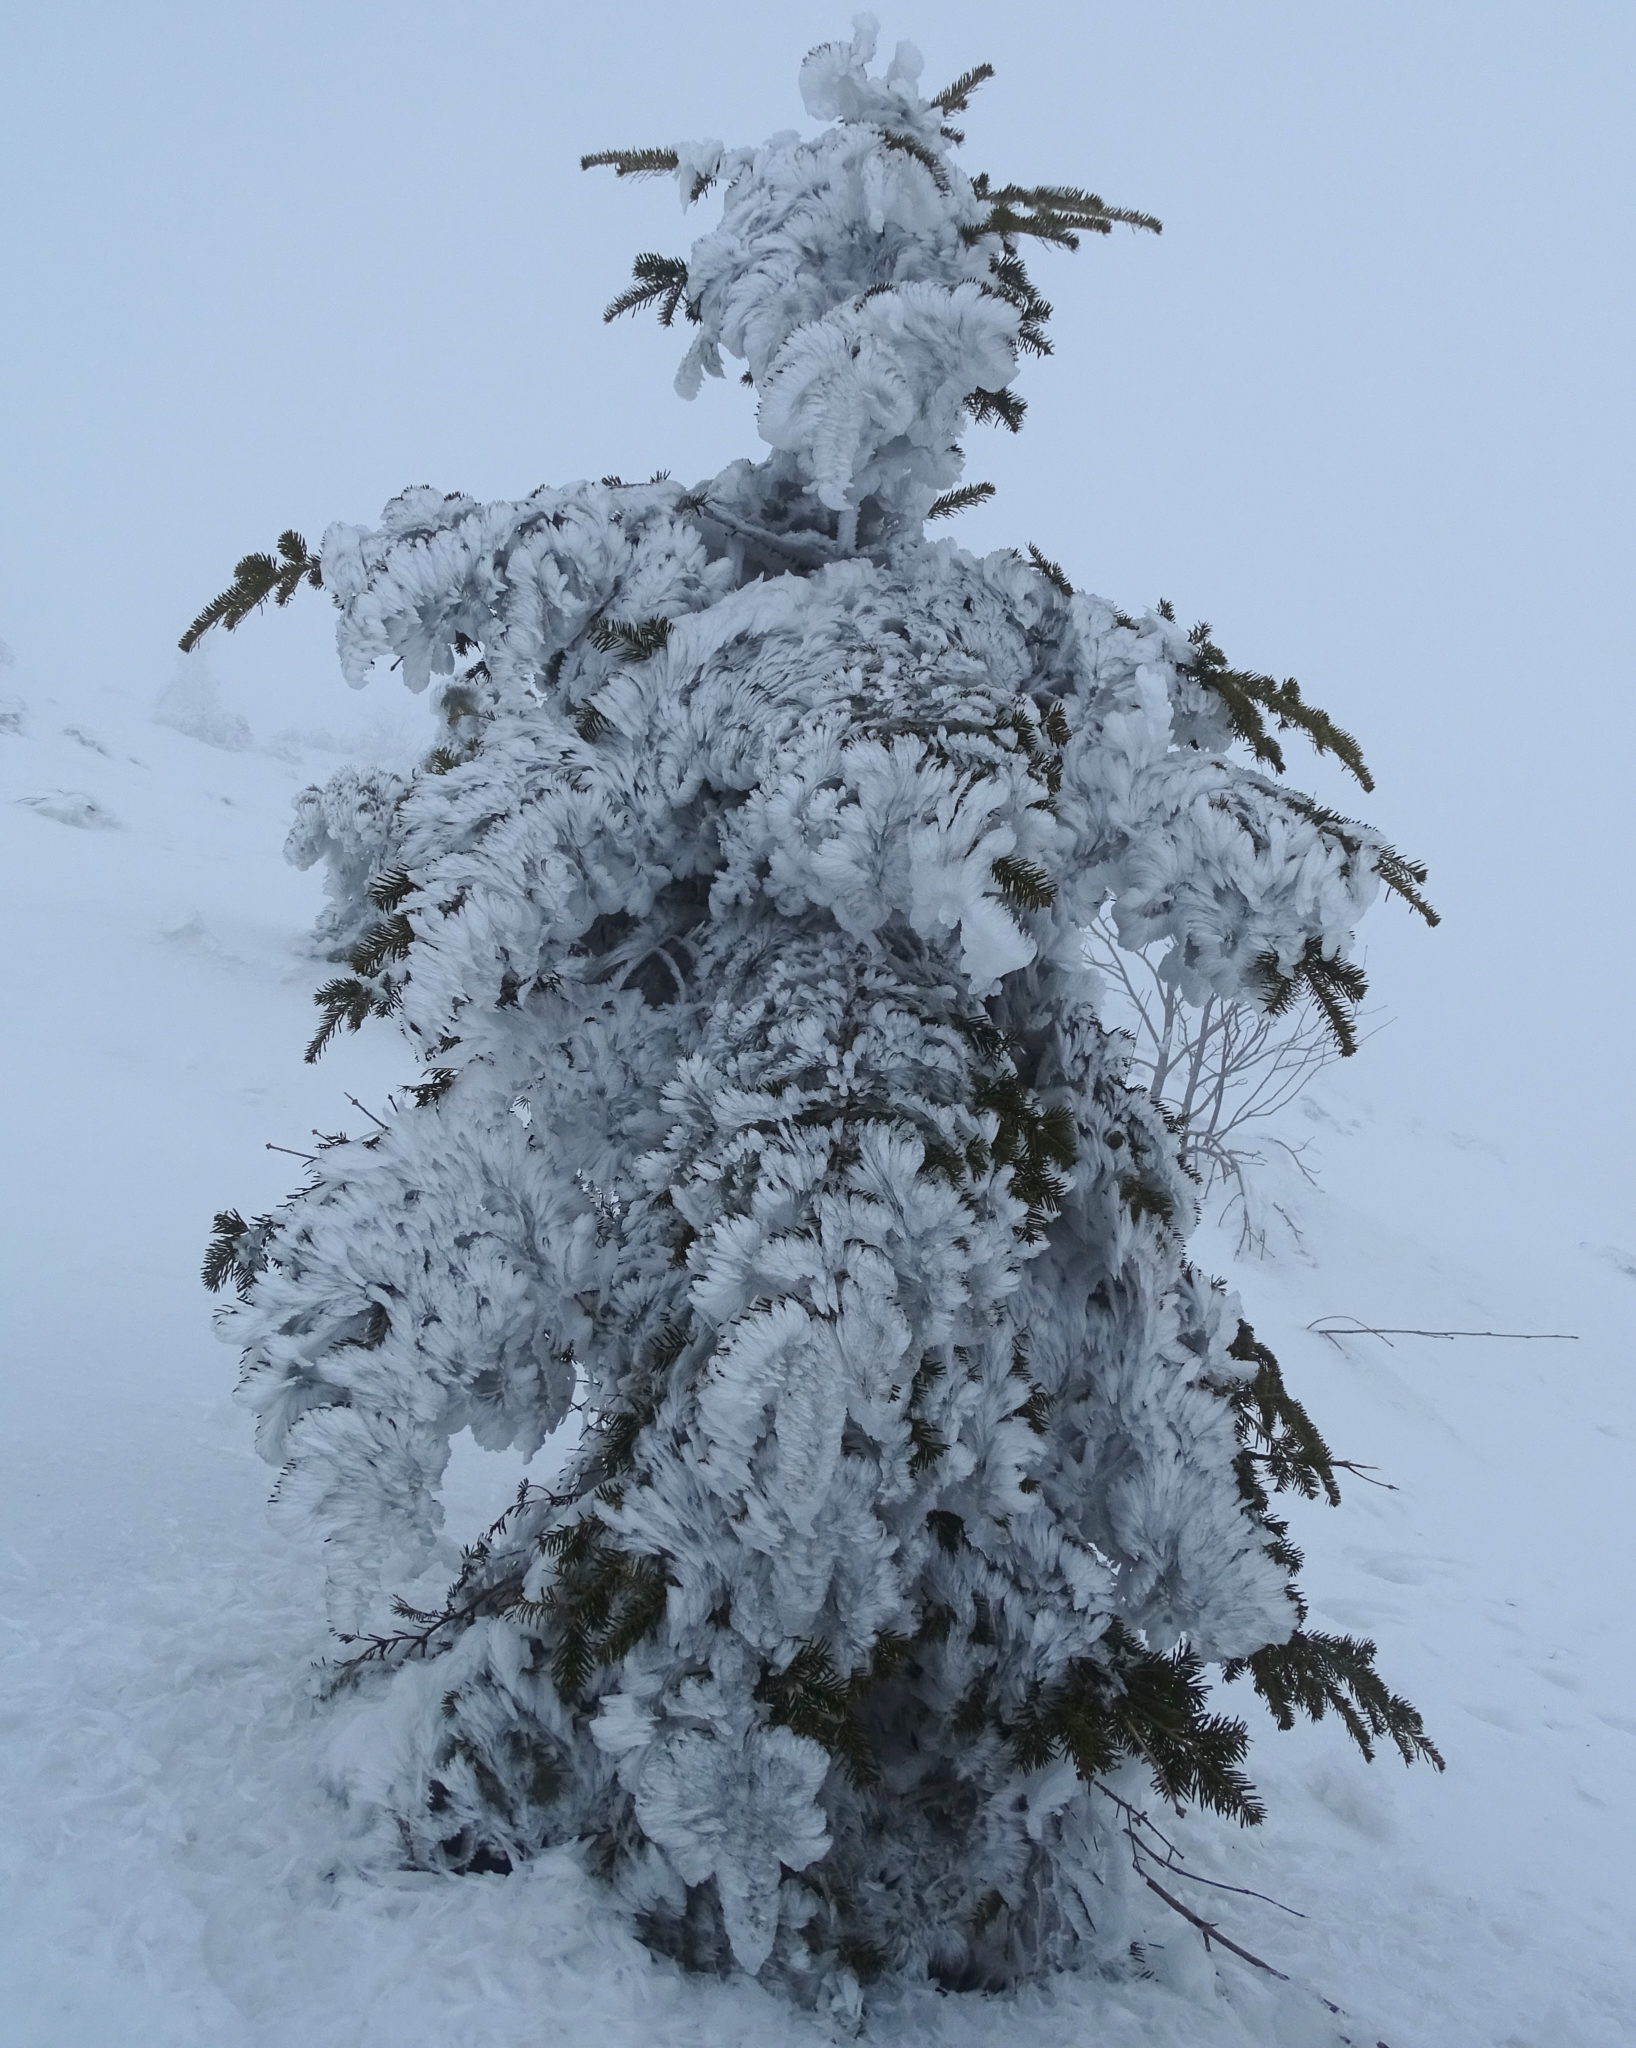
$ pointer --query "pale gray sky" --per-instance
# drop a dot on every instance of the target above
(1367, 405)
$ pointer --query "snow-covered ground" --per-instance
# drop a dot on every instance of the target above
(171, 1878)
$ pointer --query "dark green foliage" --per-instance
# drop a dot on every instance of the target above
(658, 281)
(1249, 699)
(350, 1001)
(374, 1328)
(960, 500)
(1009, 280)
(1036, 1410)
(1279, 1436)
(436, 1085)
(632, 163)
(634, 640)
(1337, 986)
(390, 887)
(929, 1447)
(236, 1252)
(645, 163)
(1312, 1673)
(929, 1371)
(257, 578)
(1052, 213)
(1057, 214)
(639, 1608)
(1034, 1141)
(601, 1603)
(618, 1427)
(1026, 720)
(1139, 1704)
(1405, 878)
(1023, 885)
(590, 723)
(909, 145)
(389, 939)
(1051, 571)
(1004, 406)
(219, 1262)
(1054, 723)
(954, 99)
(809, 1697)
(942, 1162)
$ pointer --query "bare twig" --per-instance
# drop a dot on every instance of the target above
(1171, 1865)
(1363, 1472)
(1358, 1329)
(1219, 1069)
(310, 1157)
(368, 1112)
(409, 1643)
(1170, 1861)
(496, 1597)
(1208, 1928)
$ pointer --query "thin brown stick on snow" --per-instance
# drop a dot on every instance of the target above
(1351, 1327)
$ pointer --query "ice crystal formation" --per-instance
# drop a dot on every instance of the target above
(766, 1123)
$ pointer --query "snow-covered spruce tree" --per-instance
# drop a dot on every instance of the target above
(765, 1118)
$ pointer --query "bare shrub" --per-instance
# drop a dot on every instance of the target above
(1221, 1072)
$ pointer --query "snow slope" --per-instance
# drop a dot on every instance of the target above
(169, 1877)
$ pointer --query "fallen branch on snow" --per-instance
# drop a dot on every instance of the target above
(1357, 1329)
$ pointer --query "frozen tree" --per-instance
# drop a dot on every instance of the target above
(13, 712)
(765, 1120)
(191, 703)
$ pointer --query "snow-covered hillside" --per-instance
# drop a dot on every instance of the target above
(171, 1876)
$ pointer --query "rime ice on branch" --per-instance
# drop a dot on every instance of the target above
(766, 1116)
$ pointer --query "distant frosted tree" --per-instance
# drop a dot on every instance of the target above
(13, 716)
(765, 1118)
